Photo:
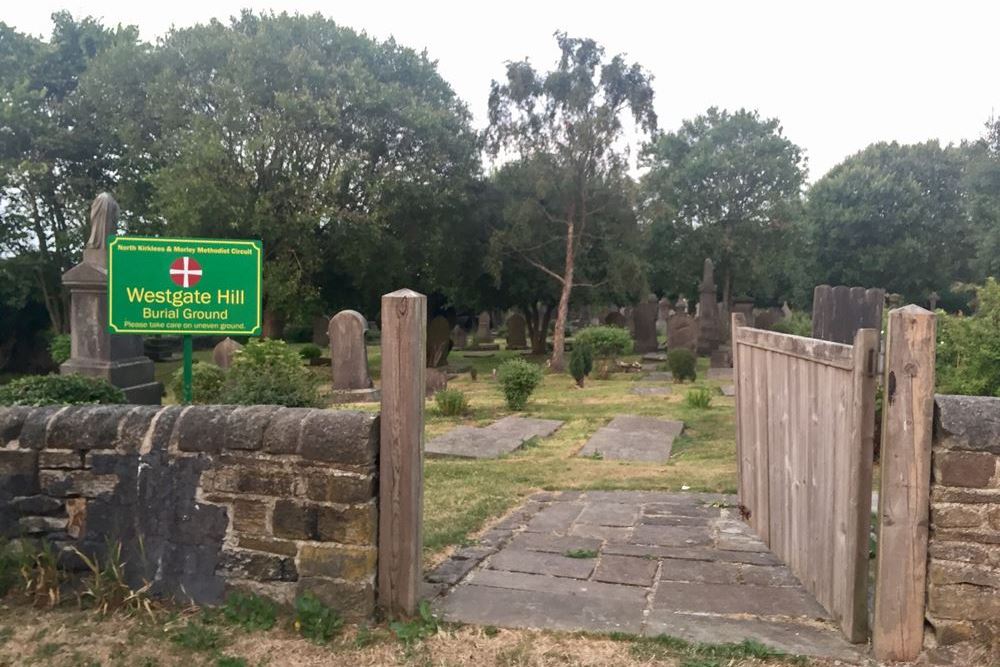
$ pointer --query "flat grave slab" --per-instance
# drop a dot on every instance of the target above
(655, 356)
(499, 438)
(657, 376)
(652, 391)
(647, 563)
(633, 438)
(728, 390)
(720, 374)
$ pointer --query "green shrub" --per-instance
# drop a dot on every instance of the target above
(968, 349)
(310, 352)
(314, 620)
(700, 398)
(250, 611)
(604, 342)
(60, 348)
(798, 323)
(59, 389)
(581, 362)
(422, 626)
(451, 402)
(207, 381)
(518, 378)
(682, 364)
(268, 372)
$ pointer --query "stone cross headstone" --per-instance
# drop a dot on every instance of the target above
(644, 316)
(709, 327)
(438, 342)
(616, 319)
(483, 333)
(838, 312)
(516, 336)
(223, 353)
(95, 352)
(682, 332)
(348, 353)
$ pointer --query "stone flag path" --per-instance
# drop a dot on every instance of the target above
(644, 563)
(499, 438)
(632, 438)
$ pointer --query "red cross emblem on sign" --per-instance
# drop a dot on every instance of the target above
(185, 271)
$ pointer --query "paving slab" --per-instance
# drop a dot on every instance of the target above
(652, 391)
(634, 438)
(501, 437)
(681, 564)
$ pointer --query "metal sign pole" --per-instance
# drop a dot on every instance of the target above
(188, 352)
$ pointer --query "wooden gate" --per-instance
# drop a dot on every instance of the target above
(805, 412)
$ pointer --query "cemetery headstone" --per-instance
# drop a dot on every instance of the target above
(933, 300)
(95, 352)
(459, 337)
(682, 332)
(745, 307)
(349, 358)
(838, 312)
(438, 342)
(483, 333)
(616, 319)
(435, 380)
(321, 331)
(644, 317)
(682, 306)
(767, 318)
(223, 353)
(709, 326)
(516, 337)
(663, 310)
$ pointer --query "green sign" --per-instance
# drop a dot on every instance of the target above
(183, 286)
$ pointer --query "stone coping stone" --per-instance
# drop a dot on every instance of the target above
(499, 438)
(634, 438)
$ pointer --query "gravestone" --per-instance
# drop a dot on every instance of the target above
(435, 380)
(634, 438)
(662, 315)
(838, 312)
(767, 318)
(682, 332)
(459, 338)
(321, 331)
(745, 307)
(483, 333)
(933, 301)
(616, 319)
(499, 438)
(95, 352)
(682, 306)
(349, 358)
(644, 317)
(223, 353)
(709, 326)
(516, 337)
(438, 342)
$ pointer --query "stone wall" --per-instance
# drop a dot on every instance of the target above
(202, 498)
(963, 582)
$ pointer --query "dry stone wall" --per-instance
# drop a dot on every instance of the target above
(202, 499)
(963, 582)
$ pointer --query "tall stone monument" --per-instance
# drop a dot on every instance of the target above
(95, 352)
(349, 358)
(644, 328)
(709, 326)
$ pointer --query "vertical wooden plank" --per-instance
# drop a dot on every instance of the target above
(827, 477)
(859, 490)
(775, 453)
(738, 320)
(401, 483)
(908, 414)
(814, 463)
(843, 387)
(792, 447)
(761, 510)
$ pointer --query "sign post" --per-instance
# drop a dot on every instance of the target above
(185, 287)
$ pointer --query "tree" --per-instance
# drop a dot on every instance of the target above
(981, 185)
(892, 216)
(725, 185)
(53, 153)
(566, 127)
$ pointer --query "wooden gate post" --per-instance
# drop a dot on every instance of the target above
(401, 458)
(738, 320)
(904, 504)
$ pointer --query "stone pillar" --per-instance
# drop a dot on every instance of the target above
(95, 352)
(709, 327)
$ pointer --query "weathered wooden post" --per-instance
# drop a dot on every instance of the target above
(401, 477)
(904, 505)
(738, 320)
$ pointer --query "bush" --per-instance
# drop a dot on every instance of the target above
(798, 323)
(518, 378)
(58, 390)
(314, 620)
(451, 402)
(60, 348)
(682, 364)
(250, 611)
(207, 381)
(581, 362)
(268, 372)
(604, 342)
(968, 350)
(700, 398)
(310, 352)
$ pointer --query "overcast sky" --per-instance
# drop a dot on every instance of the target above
(839, 74)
